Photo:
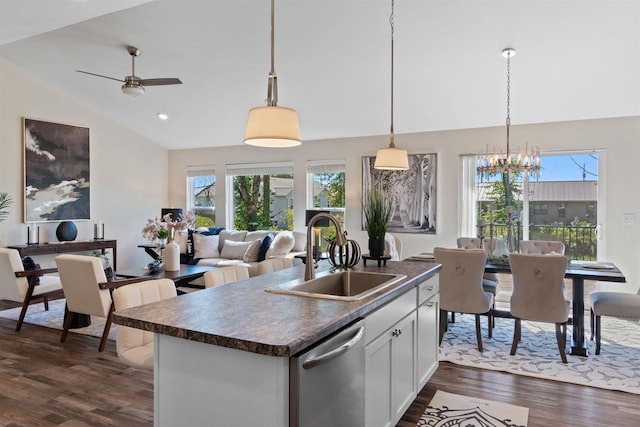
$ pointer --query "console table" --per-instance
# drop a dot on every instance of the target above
(65, 247)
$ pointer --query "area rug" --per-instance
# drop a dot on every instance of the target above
(453, 410)
(36, 315)
(616, 368)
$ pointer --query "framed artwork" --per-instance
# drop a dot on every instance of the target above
(56, 171)
(413, 192)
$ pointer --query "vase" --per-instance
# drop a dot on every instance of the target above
(376, 248)
(171, 257)
(162, 242)
(66, 231)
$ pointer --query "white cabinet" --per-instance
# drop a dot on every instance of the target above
(427, 341)
(391, 379)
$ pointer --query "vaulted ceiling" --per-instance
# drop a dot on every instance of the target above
(575, 60)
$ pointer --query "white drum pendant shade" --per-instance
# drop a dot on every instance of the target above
(272, 126)
(391, 158)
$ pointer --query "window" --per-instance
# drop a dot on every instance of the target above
(561, 204)
(201, 192)
(326, 191)
(261, 196)
(540, 209)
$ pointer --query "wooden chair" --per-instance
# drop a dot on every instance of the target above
(274, 264)
(615, 304)
(87, 291)
(21, 286)
(135, 346)
(224, 275)
(461, 286)
(538, 282)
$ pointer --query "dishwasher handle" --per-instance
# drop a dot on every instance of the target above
(336, 352)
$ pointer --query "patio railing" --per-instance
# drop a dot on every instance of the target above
(580, 242)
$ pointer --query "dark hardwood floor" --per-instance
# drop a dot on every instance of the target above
(45, 383)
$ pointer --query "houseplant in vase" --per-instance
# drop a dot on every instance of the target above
(377, 209)
(5, 204)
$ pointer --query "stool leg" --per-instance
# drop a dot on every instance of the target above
(592, 322)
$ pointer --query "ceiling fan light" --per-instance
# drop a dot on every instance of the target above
(273, 127)
(133, 90)
(392, 158)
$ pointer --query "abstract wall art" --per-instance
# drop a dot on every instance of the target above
(56, 171)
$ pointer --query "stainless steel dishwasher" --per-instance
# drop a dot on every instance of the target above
(326, 382)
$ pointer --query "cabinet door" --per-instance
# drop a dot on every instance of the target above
(427, 340)
(378, 381)
(403, 367)
(391, 373)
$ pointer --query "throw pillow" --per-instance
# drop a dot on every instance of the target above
(29, 264)
(205, 246)
(213, 231)
(282, 244)
(234, 250)
(264, 247)
(252, 252)
(182, 238)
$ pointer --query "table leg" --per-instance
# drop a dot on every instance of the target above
(578, 342)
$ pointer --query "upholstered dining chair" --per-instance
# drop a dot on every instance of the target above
(461, 286)
(614, 304)
(274, 264)
(541, 247)
(538, 282)
(489, 280)
(87, 291)
(22, 286)
(224, 275)
(135, 346)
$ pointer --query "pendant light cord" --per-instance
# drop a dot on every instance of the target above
(272, 87)
(508, 123)
(391, 143)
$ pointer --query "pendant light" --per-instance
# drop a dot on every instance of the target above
(272, 126)
(391, 158)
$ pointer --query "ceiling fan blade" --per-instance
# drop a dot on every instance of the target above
(160, 82)
(100, 75)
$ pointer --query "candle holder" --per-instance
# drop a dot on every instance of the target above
(33, 235)
(98, 231)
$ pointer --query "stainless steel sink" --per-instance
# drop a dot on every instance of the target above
(342, 285)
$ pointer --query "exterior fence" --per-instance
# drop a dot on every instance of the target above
(580, 242)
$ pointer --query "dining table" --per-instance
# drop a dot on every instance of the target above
(578, 272)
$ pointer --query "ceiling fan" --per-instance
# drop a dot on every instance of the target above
(134, 85)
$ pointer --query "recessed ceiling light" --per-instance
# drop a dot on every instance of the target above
(163, 116)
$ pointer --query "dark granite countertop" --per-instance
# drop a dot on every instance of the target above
(243, 316)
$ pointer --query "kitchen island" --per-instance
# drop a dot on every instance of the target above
(222, 354)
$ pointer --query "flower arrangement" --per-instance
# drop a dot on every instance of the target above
(157, 229)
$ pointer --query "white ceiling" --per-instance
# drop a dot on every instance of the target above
(575, 60)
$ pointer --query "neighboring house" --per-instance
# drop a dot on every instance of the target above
(557, 202)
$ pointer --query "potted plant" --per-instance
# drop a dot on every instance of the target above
(377, 209)
(5, 205)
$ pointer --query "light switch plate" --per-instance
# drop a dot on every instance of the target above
(628, 219)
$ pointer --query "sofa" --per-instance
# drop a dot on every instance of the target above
(220, 247)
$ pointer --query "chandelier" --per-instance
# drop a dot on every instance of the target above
(492, 163)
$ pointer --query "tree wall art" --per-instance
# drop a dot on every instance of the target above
(413, 192)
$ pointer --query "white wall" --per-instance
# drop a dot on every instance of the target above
(619, 138)
(128, 172)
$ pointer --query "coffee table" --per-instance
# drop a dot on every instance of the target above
(182, 277)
